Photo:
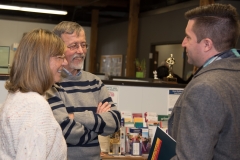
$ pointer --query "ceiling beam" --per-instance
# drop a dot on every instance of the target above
(97, 3)
(206, 2)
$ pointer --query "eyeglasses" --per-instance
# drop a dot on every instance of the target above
(75, 46)
(61, 57)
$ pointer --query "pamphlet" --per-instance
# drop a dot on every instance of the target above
(163, 146)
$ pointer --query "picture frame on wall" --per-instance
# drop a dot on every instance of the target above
(111, 65)
(4, 60)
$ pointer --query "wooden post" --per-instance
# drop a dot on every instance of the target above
(93, 41)
(206, 2)
(132, 37)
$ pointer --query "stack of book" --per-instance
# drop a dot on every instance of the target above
(137, 132)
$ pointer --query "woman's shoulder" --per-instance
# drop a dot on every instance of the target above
(21, 102)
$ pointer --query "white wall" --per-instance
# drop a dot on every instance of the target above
(130, 98)
(11, 31)
(138, 99)
(143, 99)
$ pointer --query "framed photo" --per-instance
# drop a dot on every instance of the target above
(111, 65)
(4, 60)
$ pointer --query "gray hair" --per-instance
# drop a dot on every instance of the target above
(67, 27)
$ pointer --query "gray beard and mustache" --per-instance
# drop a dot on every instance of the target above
(79, 65)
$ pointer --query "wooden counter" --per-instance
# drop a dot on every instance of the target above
(4, 76)
(143, 84)
(129, 82)
(105, 155)
(124, 158)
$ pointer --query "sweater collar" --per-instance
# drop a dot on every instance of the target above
(70, 74)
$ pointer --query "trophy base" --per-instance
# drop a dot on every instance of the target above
(170, 80)
(157, 81)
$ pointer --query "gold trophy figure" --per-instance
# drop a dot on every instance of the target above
(170, 78)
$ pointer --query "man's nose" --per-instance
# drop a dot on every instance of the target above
(65, 62)
(184, 42)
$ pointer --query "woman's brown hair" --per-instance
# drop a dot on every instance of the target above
(31, 69)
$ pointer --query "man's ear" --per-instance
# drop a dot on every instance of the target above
(208, 44)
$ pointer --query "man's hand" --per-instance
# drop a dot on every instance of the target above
(103, 107)
(71, 115)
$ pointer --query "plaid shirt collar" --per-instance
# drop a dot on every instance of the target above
(70, 74)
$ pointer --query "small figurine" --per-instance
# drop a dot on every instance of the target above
(155, 74)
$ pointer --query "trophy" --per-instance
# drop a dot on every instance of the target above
(114, 145)
(170, 78)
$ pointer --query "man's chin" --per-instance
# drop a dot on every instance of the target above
(189, 62)
(79, 66)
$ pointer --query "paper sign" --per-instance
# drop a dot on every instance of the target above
(173, 96)
(113, 92)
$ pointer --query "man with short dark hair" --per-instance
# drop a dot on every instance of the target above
(205, 121)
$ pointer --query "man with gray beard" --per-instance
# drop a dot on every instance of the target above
(80, 102)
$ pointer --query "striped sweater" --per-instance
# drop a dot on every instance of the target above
(81, 95)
